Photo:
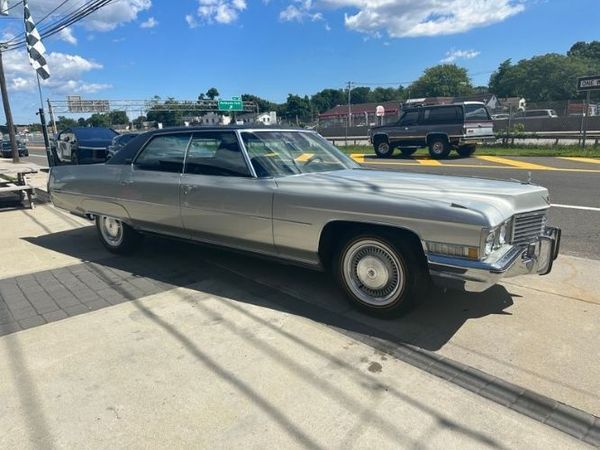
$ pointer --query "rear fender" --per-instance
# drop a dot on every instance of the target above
(105, 208)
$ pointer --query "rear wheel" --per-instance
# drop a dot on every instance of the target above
(117, 236)
(382, 147)
(408, 151)
(439, 147)
(466, 150)
(379, 274)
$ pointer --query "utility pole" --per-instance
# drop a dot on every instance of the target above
(7, 112)
(349, 110)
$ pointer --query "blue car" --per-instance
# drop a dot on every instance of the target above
(84, 145)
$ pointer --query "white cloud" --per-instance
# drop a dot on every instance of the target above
(299, 13)
(115, 13)
(105, 19)
(66, 34)
(191, 21)
(409, 18)
(219, 11)
(66, 73)
(150, 23)
(454, 55)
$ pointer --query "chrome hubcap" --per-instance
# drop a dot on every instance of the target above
(112, 230)
(384, 147)
(373, 272)
(438, 147)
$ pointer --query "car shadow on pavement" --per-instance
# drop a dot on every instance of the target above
(106, 279)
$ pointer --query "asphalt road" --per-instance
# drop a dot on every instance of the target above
(574, 186)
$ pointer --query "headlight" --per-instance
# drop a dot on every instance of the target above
(502, 234)
(489, 242)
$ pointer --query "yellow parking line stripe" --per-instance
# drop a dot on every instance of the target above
(578, 159)
(358, 157)
(476, 166)
(428, 162)
(515, 163)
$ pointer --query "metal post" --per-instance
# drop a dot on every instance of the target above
(585, 118)
(349, 111)
(7, 112)
(52, 118)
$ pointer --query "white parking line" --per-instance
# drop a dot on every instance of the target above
(585, 208)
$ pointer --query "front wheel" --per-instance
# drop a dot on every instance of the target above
(379, 275)
(117, 236)
(466, 150)
(383, 149)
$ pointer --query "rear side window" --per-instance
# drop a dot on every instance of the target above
(476, 112)
(164, 153)
(444, 115)
(216, 153)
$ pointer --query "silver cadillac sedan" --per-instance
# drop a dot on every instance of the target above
(290, 194)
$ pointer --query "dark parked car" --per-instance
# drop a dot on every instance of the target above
(84, 145)
(119, 142)
(6, 150)
(459, 126)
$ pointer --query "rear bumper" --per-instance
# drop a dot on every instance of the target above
(476, 140)
(477, 276)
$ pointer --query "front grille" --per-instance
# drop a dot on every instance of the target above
(527, 227)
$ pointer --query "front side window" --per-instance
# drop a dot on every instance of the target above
(409, 118)
(164, 153)
(216, 153)
(281, 153)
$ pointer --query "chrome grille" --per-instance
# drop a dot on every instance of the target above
(527, 227)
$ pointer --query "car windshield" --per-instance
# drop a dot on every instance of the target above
(281, 153)
(95, 133)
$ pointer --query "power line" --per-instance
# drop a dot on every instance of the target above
(75, 16)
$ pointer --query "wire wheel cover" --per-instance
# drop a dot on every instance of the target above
(112, 230)
(373, 272)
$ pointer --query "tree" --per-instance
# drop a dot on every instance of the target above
(444, 80)
(119, 118)
(65, 122)
(587, 50)
(327, 99)
(212, 93)
(99, 120)
(263, 105)
(360, 94)
(542, 78)
(168, 113)
(297, 109)
(81, 122)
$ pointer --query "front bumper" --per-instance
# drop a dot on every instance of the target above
(477, 276)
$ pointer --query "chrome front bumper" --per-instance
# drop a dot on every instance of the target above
(477, 276)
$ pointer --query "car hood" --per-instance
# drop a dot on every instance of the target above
(495, 200)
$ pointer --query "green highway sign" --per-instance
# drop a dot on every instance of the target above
(235, 104)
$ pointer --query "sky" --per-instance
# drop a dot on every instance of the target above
(135, 49)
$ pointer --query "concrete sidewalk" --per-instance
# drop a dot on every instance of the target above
(187, 369)
(183, 346)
